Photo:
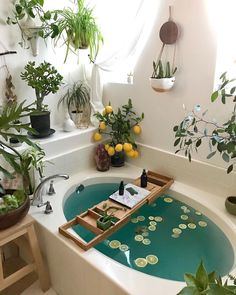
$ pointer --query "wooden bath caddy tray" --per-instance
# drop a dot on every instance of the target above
(157, 184)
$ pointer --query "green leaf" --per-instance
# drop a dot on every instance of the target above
(214, 96)
(175, 128)
(211, 155)
(202, 277)
(18, 8)
(190, 280)
(230, 168)
(198, 143)
(177, 142)
(225, 157)
(189, 291)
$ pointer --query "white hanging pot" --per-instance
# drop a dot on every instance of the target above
(163, 84)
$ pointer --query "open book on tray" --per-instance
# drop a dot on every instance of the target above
(132, 195)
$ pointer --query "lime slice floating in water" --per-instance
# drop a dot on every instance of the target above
(158, 219)
(141, 218)
(124, 247)
(202, 223)
(152, 227)
(177, 231)
(152, 259)
(184, 217)
(146, 242)
(186, 210)
(151, 217)
(145, 234)
(176, 236)
(140, 262)
(191, 225)
(168, 200)
(183, 207)
(138, 238)
(152, 223)
(134, 220)
(198, 213)
(182, 226)
(114, 244)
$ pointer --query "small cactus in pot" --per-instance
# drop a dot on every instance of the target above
(102, 158)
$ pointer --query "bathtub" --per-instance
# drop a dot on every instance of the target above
(75, 272)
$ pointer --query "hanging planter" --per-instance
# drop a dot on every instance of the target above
(163, 78)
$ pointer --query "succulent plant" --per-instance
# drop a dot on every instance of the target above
(102, 158)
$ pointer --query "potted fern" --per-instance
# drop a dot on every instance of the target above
(162, 78)
(44, 79)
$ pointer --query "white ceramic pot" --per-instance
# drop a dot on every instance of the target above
(162, 85)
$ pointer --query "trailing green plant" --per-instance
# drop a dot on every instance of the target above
(30, 9)
(11, 114)
(195, 128)
(109, 216)
(207, 283)
(76, 98)
(44, 79)
(161, 71)
(78, 29)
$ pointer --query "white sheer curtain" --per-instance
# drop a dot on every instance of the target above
(126, 26)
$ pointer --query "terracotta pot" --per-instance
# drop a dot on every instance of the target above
(12, 217)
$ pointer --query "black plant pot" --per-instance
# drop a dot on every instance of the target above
(230, 204)
(118, 160)
(40, 122)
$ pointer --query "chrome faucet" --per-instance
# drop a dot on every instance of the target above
(38, 197)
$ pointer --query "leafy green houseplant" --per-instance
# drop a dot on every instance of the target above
(207, 283)
(78, 29)
(14, 204)
(32, 21)
(77, 101)
(195, 128)
(44, 79)
(120, 128)
(162, 78)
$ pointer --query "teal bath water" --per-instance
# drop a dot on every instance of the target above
(165, 239)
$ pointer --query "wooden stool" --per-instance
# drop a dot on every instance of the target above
(24, 227)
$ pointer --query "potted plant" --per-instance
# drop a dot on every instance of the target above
(107, 219)
(207, 283)
(162, 78)
(78, 29)
(14, 204)
(120, 127)
(77, 101)
(32, 21)
(44, 79)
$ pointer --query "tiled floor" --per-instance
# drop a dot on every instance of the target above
(34, 289)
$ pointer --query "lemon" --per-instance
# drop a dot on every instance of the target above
(130, 153)
(136, 154)
(119, 147)
(102, 125)
(111, 151)
(127, 147)
(104, 112)
(137, 129)
(97, 136)
(108, 109)
(106, 147)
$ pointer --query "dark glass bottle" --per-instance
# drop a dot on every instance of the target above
(143, 179)
(121, 188)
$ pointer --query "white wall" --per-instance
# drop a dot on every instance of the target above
(196, 60)
(10, 36)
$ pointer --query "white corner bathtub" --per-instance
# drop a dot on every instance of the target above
(76, 272)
